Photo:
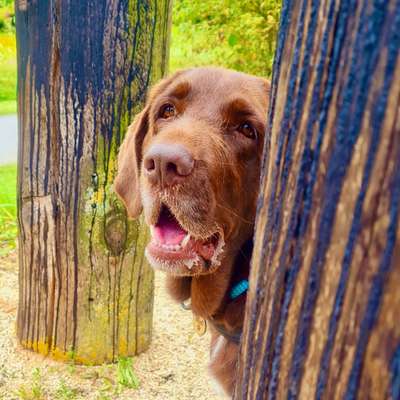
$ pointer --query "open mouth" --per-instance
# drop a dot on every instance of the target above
(171, 243)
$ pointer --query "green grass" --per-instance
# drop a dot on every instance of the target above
(65, 392)
(125, 374)
(8, 210)
(33, 391)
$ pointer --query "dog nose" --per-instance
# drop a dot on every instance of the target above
(167, 164)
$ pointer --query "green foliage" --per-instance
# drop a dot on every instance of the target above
(8, 73)
(125, 375)
(8, 210)
(8, 107)
(6, 3)
(8, 61)
(232, 33)
(7, 16)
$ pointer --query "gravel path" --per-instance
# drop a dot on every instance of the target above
(173, 368)
(8, 139)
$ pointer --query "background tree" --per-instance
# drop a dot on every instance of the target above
(323, 309)
(238, 34)
(84, 68)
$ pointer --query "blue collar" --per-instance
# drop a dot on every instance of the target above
(240, 288)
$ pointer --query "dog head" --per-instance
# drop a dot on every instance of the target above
(191, 161)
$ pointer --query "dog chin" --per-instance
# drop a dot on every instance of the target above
(184, 267)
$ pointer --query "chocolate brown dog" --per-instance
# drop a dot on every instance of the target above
(191, 161)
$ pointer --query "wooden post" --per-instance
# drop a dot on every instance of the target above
(323, 312)
(84, 69)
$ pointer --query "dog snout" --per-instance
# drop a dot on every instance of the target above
(167, 164)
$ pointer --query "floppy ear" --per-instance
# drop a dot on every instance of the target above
(126, 184)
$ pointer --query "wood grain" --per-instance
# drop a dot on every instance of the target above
(84, 67)
(322, 318)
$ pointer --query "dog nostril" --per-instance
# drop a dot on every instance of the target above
(172, 168)
(150, 164)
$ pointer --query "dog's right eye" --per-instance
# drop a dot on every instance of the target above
(167, 111)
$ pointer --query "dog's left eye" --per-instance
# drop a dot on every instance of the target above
(248, 130)
(167, 111)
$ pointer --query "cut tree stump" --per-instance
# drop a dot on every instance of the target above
(85, 290)
(323, 312)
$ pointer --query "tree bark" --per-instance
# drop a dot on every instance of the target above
(322, 318)
(85, 291)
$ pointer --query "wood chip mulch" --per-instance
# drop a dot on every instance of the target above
(175, 366)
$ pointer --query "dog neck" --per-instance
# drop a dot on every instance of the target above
(210, 294)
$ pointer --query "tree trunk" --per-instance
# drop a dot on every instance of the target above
(84, 67)
(322, 318)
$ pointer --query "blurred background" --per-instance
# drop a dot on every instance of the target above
(238, 34)
(8, 127)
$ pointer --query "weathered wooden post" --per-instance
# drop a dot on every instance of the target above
(84, 68)
(323, 313)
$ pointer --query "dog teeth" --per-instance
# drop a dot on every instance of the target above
(152, 229)
(185, 240)
(169, 247)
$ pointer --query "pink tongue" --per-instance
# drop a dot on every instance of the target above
(168, 231)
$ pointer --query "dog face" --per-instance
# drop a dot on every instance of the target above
(191, 160)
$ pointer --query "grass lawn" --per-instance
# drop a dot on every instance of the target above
(8, 209)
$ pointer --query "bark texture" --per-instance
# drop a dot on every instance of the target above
(322, 318)
(85, 291)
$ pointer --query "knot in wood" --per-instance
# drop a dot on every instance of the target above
(115, 233)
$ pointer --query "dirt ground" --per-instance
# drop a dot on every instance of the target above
(173, 368)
